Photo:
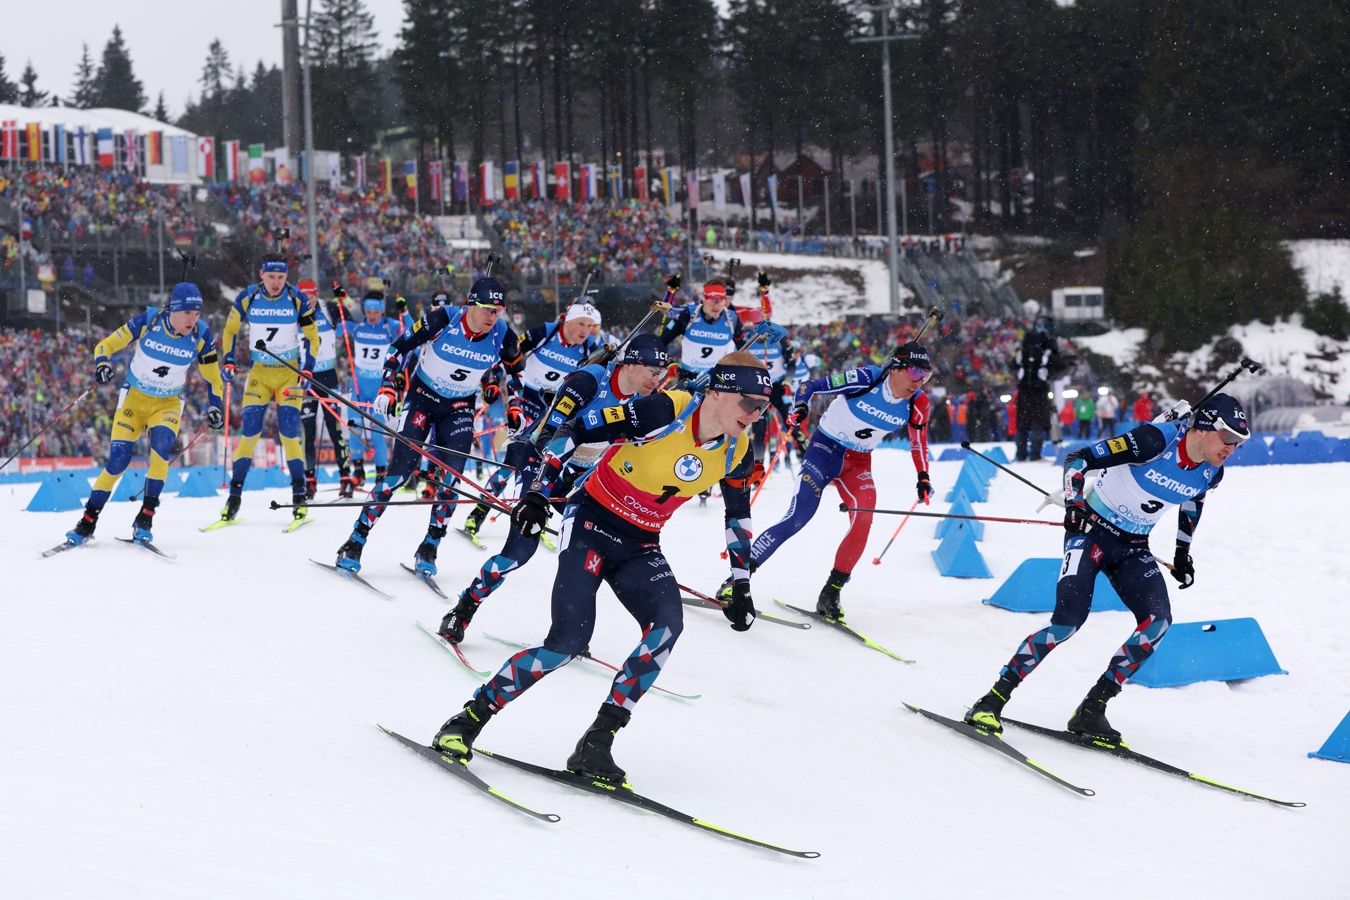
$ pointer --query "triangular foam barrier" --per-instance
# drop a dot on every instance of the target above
(130, 485)
(974, 488)
(1337, 746)
(59, 492)
(960, 507)
(1216, 650)
(201, 481)
(1031, 588)
(958, 557)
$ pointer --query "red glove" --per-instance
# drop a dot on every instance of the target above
(491, 393)
(515, 416)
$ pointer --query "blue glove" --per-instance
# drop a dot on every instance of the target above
(227, 368)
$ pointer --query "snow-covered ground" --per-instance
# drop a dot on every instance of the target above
(1324, 265)
(206, 727)
(820, 296)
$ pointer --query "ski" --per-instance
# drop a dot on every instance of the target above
(626, 794)
(995, 742)
(1122, 751)
(220, 523)
(148, 546)
(586, 655)
(701, 603)
(848, 630)
(63, 547)
(460, 769)
(352, 576)
(547, 540)
(452, 648)
(296, 523)
(425, 579)
(471, 538)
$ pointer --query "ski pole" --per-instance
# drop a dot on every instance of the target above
(1246, 364)
(998, 465)
(225, 461)
(364, 503)
(181, 453)
(844, 507)
(357, 426)
(50, 422)
(876, 561)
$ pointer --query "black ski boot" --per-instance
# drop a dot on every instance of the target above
(592, 757)
(424, 560)
(380, 472)
(986, 711)
(346, 486)
(359, 475)
(299, 507)
(1089, 720)
(458, 619)
(232, 502)
(827, 604)
(311, 485)
(144, 521)
(84, 529)
(456, 736)
(349, 554)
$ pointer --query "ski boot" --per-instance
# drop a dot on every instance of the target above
(349, 554)
(475, 519)
(345, 486)
(428, 490)
(358, 474)
(1089, 720)
(380, 472)
(232, 502)
(144, 520)
(827, 604)
(986, 711)
(592, 758)
(456, 737)
(84, 529)
(458, 619)
(424, 560)
(299, 502)
(311, 485)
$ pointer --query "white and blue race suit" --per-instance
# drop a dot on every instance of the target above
(370, 344)
(1141, 474)
(705, 342)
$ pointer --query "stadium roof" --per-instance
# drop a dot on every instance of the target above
(119, 120)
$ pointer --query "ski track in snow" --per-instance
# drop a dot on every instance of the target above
(206, 728)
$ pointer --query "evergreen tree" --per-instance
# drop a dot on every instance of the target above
(84, 93)
(427, 71)
(161, 113)
(116, 84)
(9, 91)
(342, 50)
(214, 72)
(29, 95)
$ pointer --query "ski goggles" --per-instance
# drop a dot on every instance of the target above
(1231, 436)
(919, 374)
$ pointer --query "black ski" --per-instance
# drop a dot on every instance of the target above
(460, 769)
(62, 548)
(452, 648)
(700, 603)
(995, 742)
(848, 630)
(425, 579)
(1122, 751)
(148, 546)
(352, 576)
(626, 794)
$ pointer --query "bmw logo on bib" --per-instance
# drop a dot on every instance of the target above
(688, 467)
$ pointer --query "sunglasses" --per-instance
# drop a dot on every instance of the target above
(1231, 436)
(491, 306)
(754, 404)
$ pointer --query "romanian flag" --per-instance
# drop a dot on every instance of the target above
(154, 148)
(34, 142)
(511, 179)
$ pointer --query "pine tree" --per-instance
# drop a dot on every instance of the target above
(214, 72)
(9, 91)
(161, 113)
(84, 93)
(29, 95)
(116, 85)
(342, 50)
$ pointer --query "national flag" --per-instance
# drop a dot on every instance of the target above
(9, 139)
(257, 166)
(82, 154)
(359, 172)
(487, 184)
(434, 176)
(746, 196)
(131, 150)
(587, 186)
(562, 181)
(34, 142)
(231, 161)
(460, 183)
(154, 148)
(719, 181)
(59, 143)
(334, 169)
(773, 193)
(281, 165)
(666, 177)
(640, 182)
(387, 175)
(511, 179)
(206, 158)
(615, 186)
(539, 183)
(105, 148)
(410, 178)
(178, 154)
(691, 188)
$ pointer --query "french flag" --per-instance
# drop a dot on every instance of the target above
(105, 148)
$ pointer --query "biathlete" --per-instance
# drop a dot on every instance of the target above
(636, 373)
(325, 373)
(1141, 474)
(670, 446)
(168, 341)
(279, 316)
(460, 345)
(370, 339)
(872, 402)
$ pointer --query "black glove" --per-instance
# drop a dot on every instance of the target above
(764, 281)
(796, 419)
(491, 392)
(515, 415)
(1076, 517)
(103, 372)
(215, 419)
(925, 488)
(531, 514)
(673, 283)
(401, 303)
(740, 612)
(1183, 568)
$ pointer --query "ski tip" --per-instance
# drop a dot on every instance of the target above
(911, 707)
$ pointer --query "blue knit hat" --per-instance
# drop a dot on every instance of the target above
(186, 297)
